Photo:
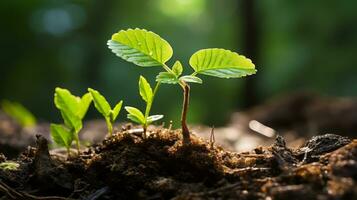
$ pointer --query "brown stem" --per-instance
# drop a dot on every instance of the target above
(186, 97)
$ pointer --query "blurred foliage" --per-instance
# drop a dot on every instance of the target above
(47, 43)
(18, 112)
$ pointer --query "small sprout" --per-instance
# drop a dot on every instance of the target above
(147, 49)
(102, 105)
(147, 95)
(73, 110)
(9, 165)
(62, 135)
(19, 113)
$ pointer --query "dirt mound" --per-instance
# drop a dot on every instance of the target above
(126, 166)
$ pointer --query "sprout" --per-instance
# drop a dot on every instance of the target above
(104, 108)
(73, 110)
(147, 95)
(147, 49)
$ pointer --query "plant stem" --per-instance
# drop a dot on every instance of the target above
(110, 127)
(148, 107)
(167, 69)
(186, 99)
(76, 138)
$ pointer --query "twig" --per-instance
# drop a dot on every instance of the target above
(17, 195)
(170, 126)
(220, 189)
(212, 139)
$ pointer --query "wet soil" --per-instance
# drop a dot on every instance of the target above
(126, 166)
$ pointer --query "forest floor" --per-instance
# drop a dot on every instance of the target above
(127, 166)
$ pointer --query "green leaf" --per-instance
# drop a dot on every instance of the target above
(153, 118)
(141, 47)
(116, 110)
(145, 89)
(72, 107)
(65, 101)
(166, 77)
(72, 121)
(9, 166)
(100, 102)
(135, 115)
(191, 79)
(19, 113)
(221, 63)
(84, 105)
(61, 135)
(177, 68)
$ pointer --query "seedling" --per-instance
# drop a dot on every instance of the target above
(73, 109)
(19, 113)
(9, 166)
(147, 49)
(102, 105)
(147, 94)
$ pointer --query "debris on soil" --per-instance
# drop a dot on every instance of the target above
(126, 166)
(296, 116)
(304, 113)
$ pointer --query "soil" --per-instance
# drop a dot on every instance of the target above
(126, 166)
(294, 164)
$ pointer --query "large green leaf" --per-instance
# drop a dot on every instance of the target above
(135, 115)
(145, 89)
(141, 47)
(100, 102)
(61, 135)
(221, 63)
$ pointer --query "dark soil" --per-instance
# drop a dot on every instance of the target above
(126, 166)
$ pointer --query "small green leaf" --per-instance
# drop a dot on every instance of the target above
(221, 63)
(9, 166)
(65, 101)
(145, 89)
(84, 105)
(100, 102)
(166, 77)
(191, 79)
(61, 135)
(141, 47)
(135, 115)
(116, 110)
(177, 68)
(19, 113)
(72, 107)
(153, 118)
(72, 121)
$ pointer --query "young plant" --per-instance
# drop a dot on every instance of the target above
(73, 110)
(19, 113)
(147, 49)
(147, 94)
(102, 105)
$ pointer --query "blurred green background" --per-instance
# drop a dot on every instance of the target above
(296, 45)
